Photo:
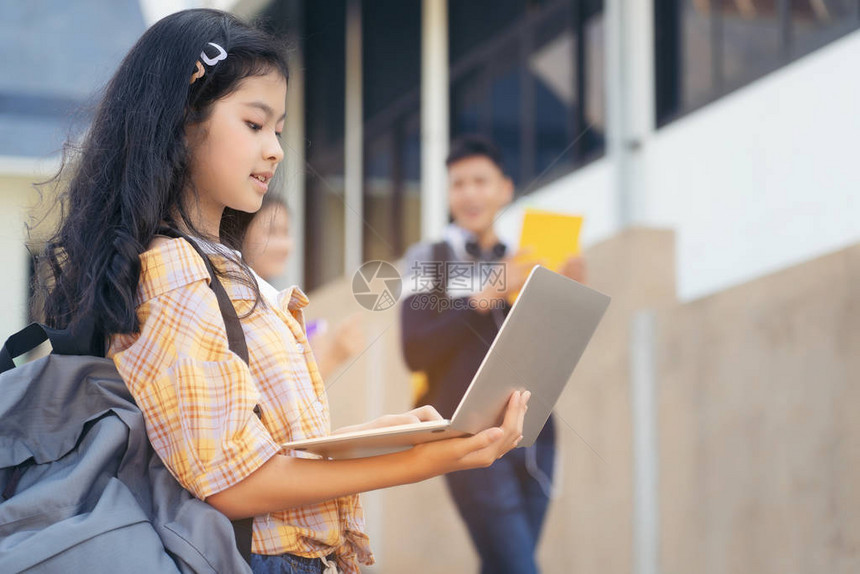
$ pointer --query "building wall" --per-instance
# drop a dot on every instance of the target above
(761, 179)
(54, 57)
(758, 437)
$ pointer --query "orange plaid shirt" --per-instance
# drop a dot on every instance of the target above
(197, 396)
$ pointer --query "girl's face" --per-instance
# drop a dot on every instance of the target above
(268, 243)
(235, 151)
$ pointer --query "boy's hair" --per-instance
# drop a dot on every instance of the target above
(129, 174)
(475, 145)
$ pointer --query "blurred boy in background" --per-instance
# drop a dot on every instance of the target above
(504, 505)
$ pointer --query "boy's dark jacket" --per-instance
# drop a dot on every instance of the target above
(447, 344)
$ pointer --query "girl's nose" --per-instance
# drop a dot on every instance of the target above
(274, 151)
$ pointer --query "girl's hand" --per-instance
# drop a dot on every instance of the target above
(421, 414)
(479, 450)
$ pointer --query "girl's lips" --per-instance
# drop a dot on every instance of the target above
(262, 186)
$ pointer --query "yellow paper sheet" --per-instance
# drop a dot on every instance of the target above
(553, 237)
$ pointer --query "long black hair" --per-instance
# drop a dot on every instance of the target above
(132, 168)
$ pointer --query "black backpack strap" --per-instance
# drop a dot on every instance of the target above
(235, 335)
(242, 528)
(82, 339)
(21, 342)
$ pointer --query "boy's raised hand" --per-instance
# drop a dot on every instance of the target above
(516, 270)
(574, 267)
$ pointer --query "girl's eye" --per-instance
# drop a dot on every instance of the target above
(255, 127)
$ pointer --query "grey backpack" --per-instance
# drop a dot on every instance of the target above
(82, 489)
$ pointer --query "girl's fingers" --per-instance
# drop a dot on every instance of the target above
(492, 443)
(421, 414)
(480, 449)
(515, 418)
(483, 440)
(483, 448)
(394, 420)
(426, 413)
(525, 407)
(385, 421)
(516, 411)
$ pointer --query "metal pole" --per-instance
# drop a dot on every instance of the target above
(353, 142)
(294, 164)
(617, 121)
(434, 118)
(646, 501)
(630, 99)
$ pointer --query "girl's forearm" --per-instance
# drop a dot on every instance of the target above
(285, 482)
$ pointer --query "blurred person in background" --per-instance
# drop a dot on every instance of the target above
(266, 248)
(503, 505)
(268, 243)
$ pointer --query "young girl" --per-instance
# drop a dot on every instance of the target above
(186, 138)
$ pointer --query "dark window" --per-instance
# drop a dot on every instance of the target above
(555, 79)
(817, 22)
(593, 126)
(467, 113)
(474, 22)
(325, 83)
(528, 73)
(319, 28)
(391, 46)
(533, 83)
(749, 40)
(391, 69)
(391, 75)
(506, 108)
(705, 49)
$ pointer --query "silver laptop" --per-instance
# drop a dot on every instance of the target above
(536, 349)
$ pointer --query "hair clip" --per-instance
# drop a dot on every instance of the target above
(201, 71)
(222, 54)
